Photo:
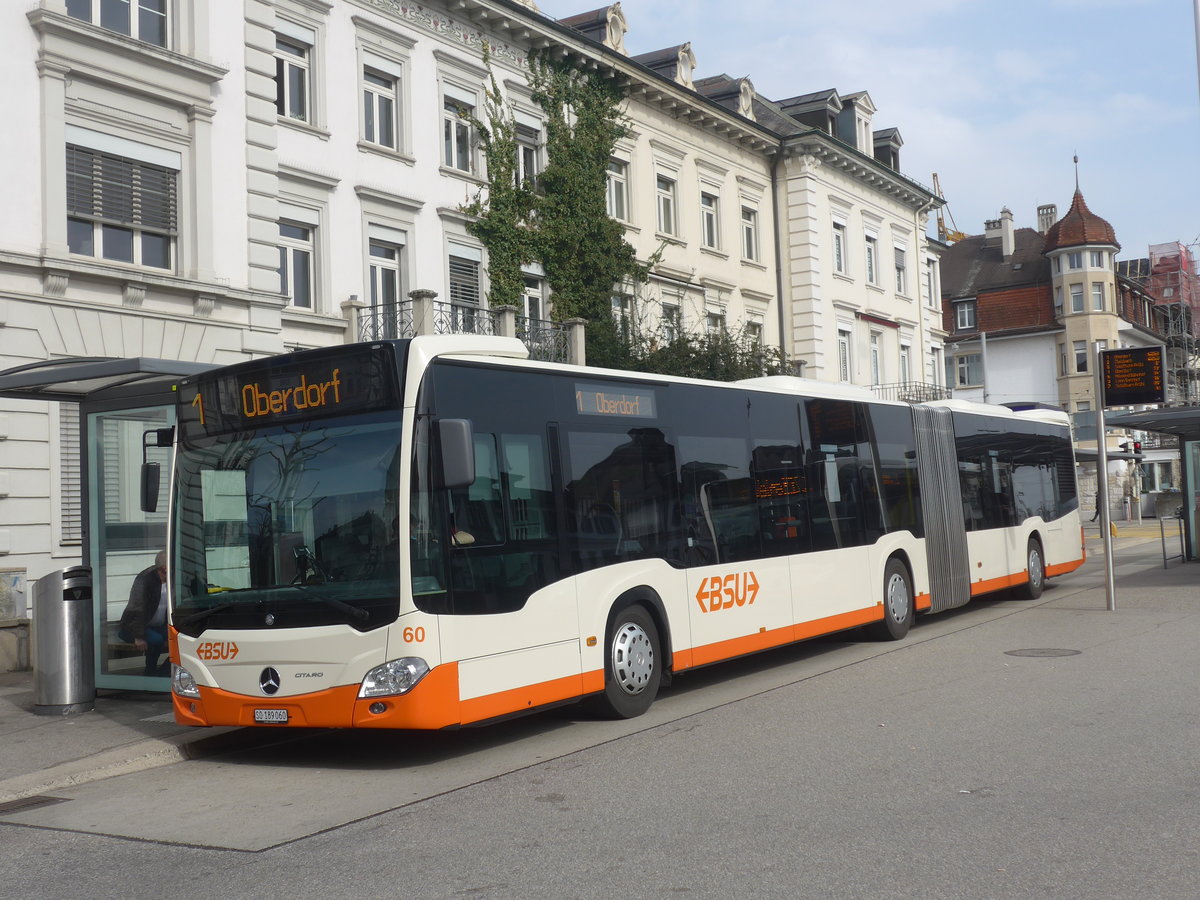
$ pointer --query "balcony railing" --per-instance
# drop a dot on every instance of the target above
(546, 340)
(912, 391)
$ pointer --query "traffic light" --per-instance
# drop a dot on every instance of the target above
(1134, 447)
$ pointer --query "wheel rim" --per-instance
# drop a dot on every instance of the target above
(633, 658)
(897, 597)
(1036, 572)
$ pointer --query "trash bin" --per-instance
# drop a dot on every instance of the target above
(64, 660)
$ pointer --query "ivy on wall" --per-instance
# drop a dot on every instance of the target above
(561, 220)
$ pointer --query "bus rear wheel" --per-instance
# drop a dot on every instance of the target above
(1035, 568)
(632, 665)
(898, 609)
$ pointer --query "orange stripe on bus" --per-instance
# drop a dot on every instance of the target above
(924, 602)
(764, 640)
(1064, 568)
(504, 703)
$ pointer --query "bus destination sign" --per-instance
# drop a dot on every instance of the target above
(607, 400)
(1132, 376)
(287, 389)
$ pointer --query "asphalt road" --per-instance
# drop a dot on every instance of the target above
(1004, 750)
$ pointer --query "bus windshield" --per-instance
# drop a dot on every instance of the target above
(289, 526)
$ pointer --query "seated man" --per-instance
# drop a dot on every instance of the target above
(144, 621)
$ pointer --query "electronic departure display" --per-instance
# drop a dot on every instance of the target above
(609, 400)
(1132, 376)
(289, 389)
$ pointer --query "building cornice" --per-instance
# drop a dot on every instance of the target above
(829, 151)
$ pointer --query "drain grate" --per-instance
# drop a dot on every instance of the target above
(27, 803)
(1042, 651)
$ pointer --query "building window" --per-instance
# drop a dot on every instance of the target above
(143, 20)
(1062, 359)
(1098, 295)
(905, 370)
(464, 279)
(457, 109)
(1077, 298)
(1081, 356)
(622, 312)
(293, 60)
(121, 209)
(533, 298)
(709, 233)
(385, 273)
(870, 246)
(1075, 260)
(968, 370)
(670, 323)
(964, 315)
(296, 263)
(618, 190)
(714, 322)
(528, 147)
(844, 362)
(931, 285)
(665, 194)
(754, 334)
(1058, 307)
(749, 233)
(379, 108)
(1083, 406)
(901, 273)
(839, 247)
(876, 361)
(1097, 259)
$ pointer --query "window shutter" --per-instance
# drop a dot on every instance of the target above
(71, 490)
(121, 191)
(464, 281)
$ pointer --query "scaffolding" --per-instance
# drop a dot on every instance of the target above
(1169, 276)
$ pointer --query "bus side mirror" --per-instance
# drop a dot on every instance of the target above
(457, 443)
(150, 473)
(154, 437)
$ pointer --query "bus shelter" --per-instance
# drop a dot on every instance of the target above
(1183, 422)
(119, 401)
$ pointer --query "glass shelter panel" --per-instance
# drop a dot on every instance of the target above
(131, 649)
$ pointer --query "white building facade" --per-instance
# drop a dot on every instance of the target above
(217, 181)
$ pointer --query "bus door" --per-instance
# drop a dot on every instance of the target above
(739, 588)
(841, 575)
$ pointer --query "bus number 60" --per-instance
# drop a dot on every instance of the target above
(414, 635)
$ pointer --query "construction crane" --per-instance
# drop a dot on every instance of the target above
(944, 235)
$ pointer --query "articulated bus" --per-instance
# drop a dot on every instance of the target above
(437, 532)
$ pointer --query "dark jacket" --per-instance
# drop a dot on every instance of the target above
(144, 597)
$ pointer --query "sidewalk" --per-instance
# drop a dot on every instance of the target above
(132, 731)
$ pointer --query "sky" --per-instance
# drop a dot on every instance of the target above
(995, 96)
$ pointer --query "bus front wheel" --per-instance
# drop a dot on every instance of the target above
(898, 608)
(1035, 568)
(632, 665)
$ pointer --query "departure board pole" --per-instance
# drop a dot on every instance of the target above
(1110, 586)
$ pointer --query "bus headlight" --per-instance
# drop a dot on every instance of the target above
(396, 677)
(182, 682)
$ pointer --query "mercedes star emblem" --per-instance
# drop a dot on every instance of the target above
(269, 681)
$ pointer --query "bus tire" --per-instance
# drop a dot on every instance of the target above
(898, 607)
(632, 664)
(1035, 567)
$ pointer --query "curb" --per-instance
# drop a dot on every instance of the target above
(124, 760)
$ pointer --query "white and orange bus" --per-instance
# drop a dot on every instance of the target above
(436, 532)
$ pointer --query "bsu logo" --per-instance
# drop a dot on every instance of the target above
(726, 591)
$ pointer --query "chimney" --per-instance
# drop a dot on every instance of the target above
(1007, 241)
(1047, 215)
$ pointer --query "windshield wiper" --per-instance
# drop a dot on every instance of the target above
(355, 612)
(202, 614)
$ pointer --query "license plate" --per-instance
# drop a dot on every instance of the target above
(271, 716)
